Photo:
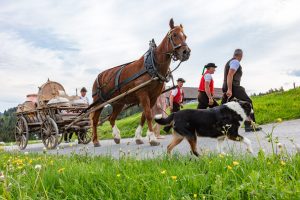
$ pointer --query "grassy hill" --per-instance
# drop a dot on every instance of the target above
(268, 108)
(284, 105)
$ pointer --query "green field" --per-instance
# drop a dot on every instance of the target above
(210, 177)
(284, 105)
(268, 108)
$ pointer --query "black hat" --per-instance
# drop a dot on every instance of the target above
(83, 89)
(207, 66)
(181, 80)
(210, 65)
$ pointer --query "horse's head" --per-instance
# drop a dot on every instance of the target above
(177, 44)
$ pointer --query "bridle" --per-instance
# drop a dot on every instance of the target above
(174, 46)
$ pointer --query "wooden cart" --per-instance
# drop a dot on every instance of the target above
(49, 120)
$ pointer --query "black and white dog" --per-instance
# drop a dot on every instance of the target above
(218, 122)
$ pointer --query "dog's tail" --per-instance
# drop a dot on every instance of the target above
(164, 121)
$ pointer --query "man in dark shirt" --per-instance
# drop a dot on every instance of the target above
(232, 88)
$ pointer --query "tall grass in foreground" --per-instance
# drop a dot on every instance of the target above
(209, 177)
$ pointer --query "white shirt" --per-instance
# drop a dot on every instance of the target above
(234, 64)
(207, 77)
(175, 91)
(85, 99)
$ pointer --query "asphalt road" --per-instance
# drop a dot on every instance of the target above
(288, 132)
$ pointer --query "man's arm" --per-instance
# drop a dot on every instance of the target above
(230, 74)
(171, 101)
(207, 91)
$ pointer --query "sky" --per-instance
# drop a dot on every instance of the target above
(72, 41)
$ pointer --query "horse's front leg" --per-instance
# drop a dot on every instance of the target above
(145, 102)
(117, 108)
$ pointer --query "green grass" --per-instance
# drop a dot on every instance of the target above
(210, 177)
(284, 105)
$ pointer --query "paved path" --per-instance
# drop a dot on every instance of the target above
(285, 131)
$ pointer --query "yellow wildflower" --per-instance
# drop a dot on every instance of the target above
(235, 163)
(163, 172)
(174, 177)
(221, 155)
(20, 167)
(118, 175)
(61, 170)
(282, 163)
(195, 196)
(229, 167)
(278, 120)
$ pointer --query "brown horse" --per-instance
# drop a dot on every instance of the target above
(117, 80)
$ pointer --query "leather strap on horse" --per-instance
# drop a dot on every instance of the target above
(97, 107)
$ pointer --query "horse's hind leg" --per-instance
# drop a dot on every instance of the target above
(145, 102)
(117, 108)
(138, 131)
(94, 117)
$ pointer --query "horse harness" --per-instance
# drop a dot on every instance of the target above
(149, 67)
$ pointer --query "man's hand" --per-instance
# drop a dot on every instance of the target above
(229, 93)
(171, 108)
(210, 101)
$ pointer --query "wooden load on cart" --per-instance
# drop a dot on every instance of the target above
(47, 114)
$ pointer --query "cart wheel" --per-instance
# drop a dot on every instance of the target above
(49, 133)
(21, 133)
(84, 137)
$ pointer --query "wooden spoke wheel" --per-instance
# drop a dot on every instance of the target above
(49, 133)
(21, 133)
(84, 137)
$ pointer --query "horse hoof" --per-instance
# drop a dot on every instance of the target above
(117, 140)
(139, 141)
(97, 144)
(154, 143)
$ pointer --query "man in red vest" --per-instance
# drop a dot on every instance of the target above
(176, 99)
(206, 88)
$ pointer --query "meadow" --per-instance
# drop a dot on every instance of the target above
(212, 176)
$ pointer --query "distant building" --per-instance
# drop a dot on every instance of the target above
(191, 93)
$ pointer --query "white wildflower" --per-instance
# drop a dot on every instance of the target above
(38, 167)
(2, 177)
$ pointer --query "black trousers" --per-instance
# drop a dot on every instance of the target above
(176, 107)
(203, 101)
(239, 93)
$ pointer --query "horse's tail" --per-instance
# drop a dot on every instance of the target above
(164, 121)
